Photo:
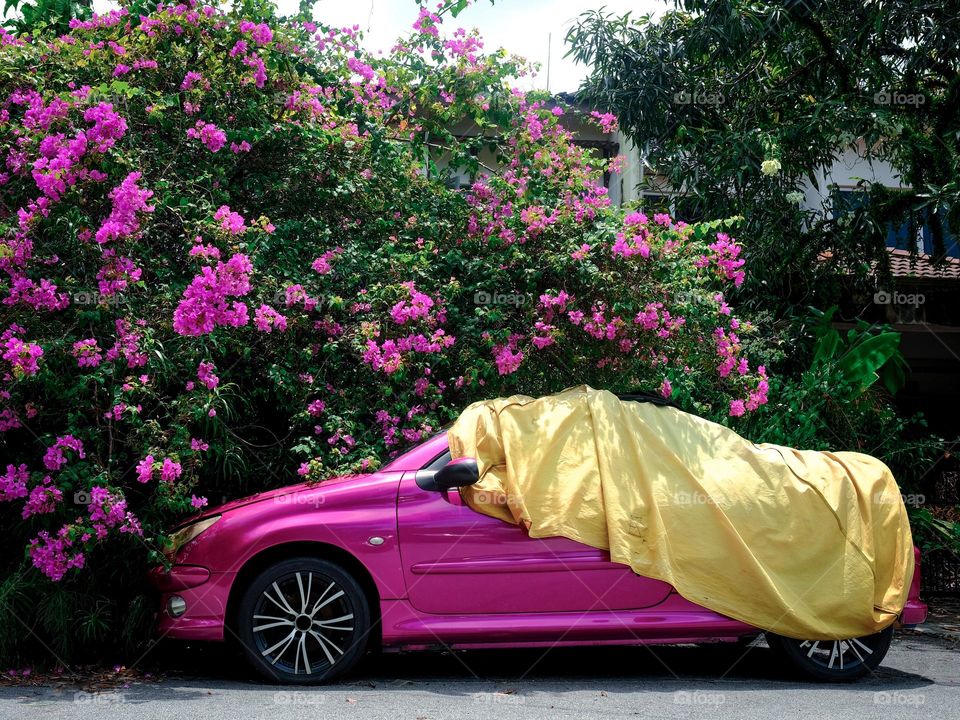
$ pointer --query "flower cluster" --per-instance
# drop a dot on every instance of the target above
(24, 357)
(206, 302)
(209, 134)
(416, 307)
(128, 199)
(384, 299)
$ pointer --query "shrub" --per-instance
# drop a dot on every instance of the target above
(231, 259)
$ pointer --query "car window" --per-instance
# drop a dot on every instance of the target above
(439, 462)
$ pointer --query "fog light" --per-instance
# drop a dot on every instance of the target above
(176, 606)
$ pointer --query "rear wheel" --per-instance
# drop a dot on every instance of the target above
(833, 660)
(304, 621)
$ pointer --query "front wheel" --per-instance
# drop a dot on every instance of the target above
(304, 621)
(833, 660)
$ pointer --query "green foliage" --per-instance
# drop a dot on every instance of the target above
(45, 16)
(713, 90)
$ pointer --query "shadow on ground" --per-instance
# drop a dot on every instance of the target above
(573, 667)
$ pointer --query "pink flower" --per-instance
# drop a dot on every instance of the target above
(128, 199)
(198, 445)
(323, 264)
(206, 302)
(607, 121)
(127, 345)
(266, 319)
(108, 126)
(54, 556)
(170, 470)
(726, 256)
(230, 221)
(87, 353)
(190, 79)
(198, 502)
(116, 274)
(259, 69)
(507, 357)
(736, 408)
(666, 389)
(206, 376)
(54, 459)
(13, 484)
(418, 306)
(209, 134)
(581, 253)
(427, 22)
(260, 32)
(43, 499)
(107, 511)
(145, 469)
(23, 356)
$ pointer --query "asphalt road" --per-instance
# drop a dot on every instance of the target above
(920, 679)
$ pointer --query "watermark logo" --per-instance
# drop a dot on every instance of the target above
(697, 697)
(701, 97)
(81, 497)
(98, 698)
(685, 497)
(482, 297)
(499, 698)
(695, 297)
(485, 497)
(899, 698)
(300, 499)
(285, 697)
(893, 97)
(884, 297)
(892, 498)
(89, 297)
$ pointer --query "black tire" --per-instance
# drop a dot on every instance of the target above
(822, 659)
(303, 621)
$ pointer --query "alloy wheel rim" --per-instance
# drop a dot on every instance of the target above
(837, 655)
(303, 623)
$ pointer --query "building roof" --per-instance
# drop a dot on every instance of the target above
(922, 266)
(915, 266)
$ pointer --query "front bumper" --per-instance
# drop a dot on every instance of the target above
(205, 594)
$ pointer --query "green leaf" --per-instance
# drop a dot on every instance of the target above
(860, 364)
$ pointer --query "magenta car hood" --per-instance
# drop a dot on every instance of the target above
(268, 495)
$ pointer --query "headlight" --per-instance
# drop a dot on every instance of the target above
(181, 537)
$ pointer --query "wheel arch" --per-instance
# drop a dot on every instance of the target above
(324, 551)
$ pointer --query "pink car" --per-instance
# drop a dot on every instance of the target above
(310, 577)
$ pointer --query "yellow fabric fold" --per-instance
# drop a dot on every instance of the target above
(811, 545)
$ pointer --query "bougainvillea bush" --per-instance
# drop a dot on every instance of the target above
(231, 259)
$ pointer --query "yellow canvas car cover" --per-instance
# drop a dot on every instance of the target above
(811, 545)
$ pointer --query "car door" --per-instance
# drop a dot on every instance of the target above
(458, 561)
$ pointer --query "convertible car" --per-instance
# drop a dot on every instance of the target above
(310, 577)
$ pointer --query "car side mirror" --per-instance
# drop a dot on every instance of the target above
(456, 473)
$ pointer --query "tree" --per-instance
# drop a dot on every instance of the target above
(737, 103)
(53, 16)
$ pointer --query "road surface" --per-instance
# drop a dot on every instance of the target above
(920, 679)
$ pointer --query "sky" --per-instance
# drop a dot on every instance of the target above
(523, 27)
